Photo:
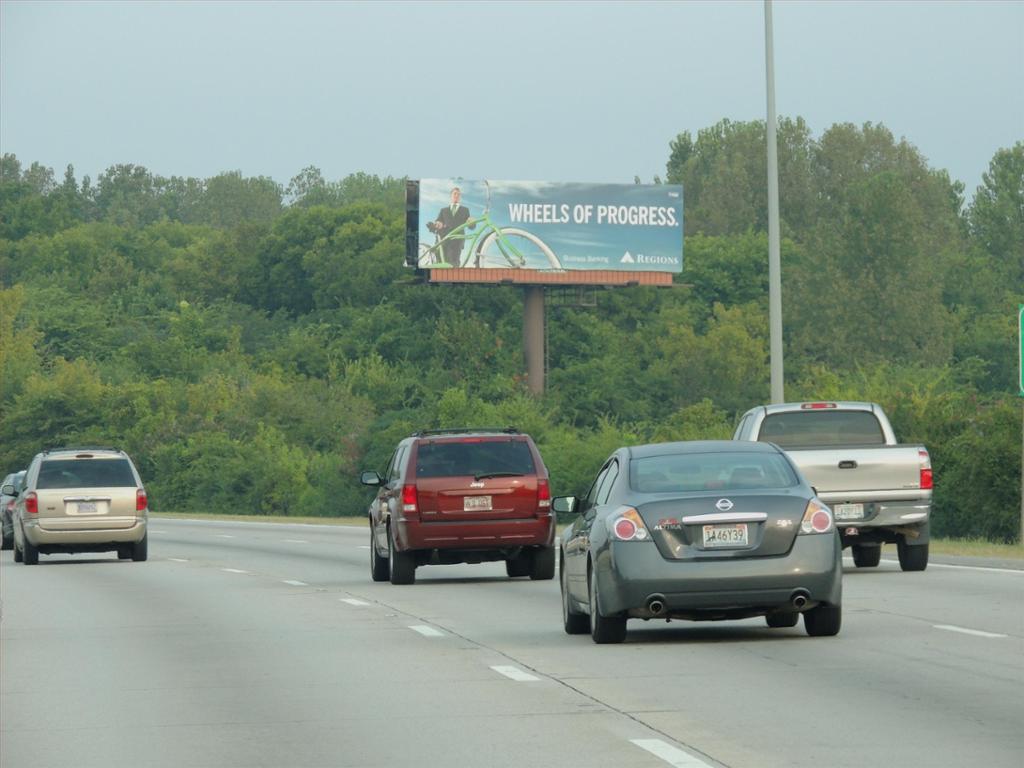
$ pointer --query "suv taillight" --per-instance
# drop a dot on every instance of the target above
(409, 499)
(31, 503)
(141, 500)
(543, 494)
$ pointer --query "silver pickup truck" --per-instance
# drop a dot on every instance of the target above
(879, 491)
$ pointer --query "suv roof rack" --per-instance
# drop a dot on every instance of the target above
(69, 448)
(466, 431)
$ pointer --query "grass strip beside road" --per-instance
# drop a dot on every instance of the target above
(956, 547)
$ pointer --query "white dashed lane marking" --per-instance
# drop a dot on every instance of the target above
(671, 755)
(353, 601)
(296, 583)
(233, 570)
(515, 673)
(178, 559)
(426, 631)
(296, 541)
(965, 631)
(225, 536)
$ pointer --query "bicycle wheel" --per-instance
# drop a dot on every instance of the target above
(515, 248)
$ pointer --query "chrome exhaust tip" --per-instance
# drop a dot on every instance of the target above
(656, 604)
(799, 598)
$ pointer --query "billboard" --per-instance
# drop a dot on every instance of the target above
(545, 226)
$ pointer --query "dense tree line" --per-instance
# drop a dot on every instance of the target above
(255, 345)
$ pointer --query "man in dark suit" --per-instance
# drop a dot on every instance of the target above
(449, 218)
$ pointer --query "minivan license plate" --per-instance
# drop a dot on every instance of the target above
(725, 535)
(849, 511)
(476, 503)
(86, 508)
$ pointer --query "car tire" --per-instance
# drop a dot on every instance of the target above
(140, 549)
(542, 564)
(124, 553)
(29, 554)
(866, 556)
(913, 557)
(401, 566)
(823, 620)
(378, 564)
(603, 629)
(8, 540)
(782, 620)
(17, 553)
(519, 565)
(574, 622)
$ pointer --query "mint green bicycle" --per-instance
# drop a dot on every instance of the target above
(487, 245)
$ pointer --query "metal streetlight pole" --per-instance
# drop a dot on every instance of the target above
(774, 248)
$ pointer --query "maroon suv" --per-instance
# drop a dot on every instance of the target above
(462, 496)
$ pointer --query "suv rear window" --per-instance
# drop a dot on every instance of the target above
(812, 429)
(85, 473)
(484, 457)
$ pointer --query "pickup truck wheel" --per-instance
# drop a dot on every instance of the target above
(824, 620)
(913, 557)
(401, 566)
(604, 629)
(781, 620)
(866, 556)
(542, 564)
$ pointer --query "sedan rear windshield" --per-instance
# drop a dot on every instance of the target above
(821, 429)
(710, 471)
(86, 473)
(484, 457)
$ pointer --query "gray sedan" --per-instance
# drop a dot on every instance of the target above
(703, 531)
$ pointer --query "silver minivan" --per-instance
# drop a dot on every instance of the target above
(81, 500)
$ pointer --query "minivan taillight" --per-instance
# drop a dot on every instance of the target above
(543, 494)
(409, 499)
(141, 500)
(31, 503)
(927, 479)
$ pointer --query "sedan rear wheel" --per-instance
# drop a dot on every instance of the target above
(823, 620)
(575, 623)
(604, 629)
(401, 566)
(780, 620)
(866, 556)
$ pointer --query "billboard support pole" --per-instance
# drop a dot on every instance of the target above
(533, 337)
(774, 259)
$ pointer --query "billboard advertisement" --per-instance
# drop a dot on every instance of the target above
(549, 226)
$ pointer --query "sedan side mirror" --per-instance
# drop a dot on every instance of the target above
(566, 504)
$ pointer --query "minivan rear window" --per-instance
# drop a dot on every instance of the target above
(86, 473)
(448, 459)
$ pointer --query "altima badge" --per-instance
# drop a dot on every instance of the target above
(723, 505)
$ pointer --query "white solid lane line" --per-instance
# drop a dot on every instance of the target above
(296, 583)
(296, 541)
(671, 755)
(233, 570)
(965, 631)
(515, 673)
(363, 546)
(225, 536)
(178, 559)
(977, 568)
(353, 601)
(426, 631)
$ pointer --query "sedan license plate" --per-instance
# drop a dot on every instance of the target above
(476, 503)
(849, 511)
(725, 535)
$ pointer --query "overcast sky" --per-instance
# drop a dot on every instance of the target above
(577, 91)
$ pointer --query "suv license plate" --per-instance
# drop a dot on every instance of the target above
(849, 511)
(725, 535)
(476, 503)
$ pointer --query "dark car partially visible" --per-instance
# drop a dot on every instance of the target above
(16, 481)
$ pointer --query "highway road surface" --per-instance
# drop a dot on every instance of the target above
(257, 644)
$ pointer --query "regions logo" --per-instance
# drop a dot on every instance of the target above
(627, 258)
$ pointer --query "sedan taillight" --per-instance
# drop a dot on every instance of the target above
(141, 500)
(31, 503)
(627, 525)
(817, 518)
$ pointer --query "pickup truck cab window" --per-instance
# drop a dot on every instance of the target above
(806, 429)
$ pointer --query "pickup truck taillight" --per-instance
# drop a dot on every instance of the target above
(927, 479)
(543, 494)
(31, 503)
